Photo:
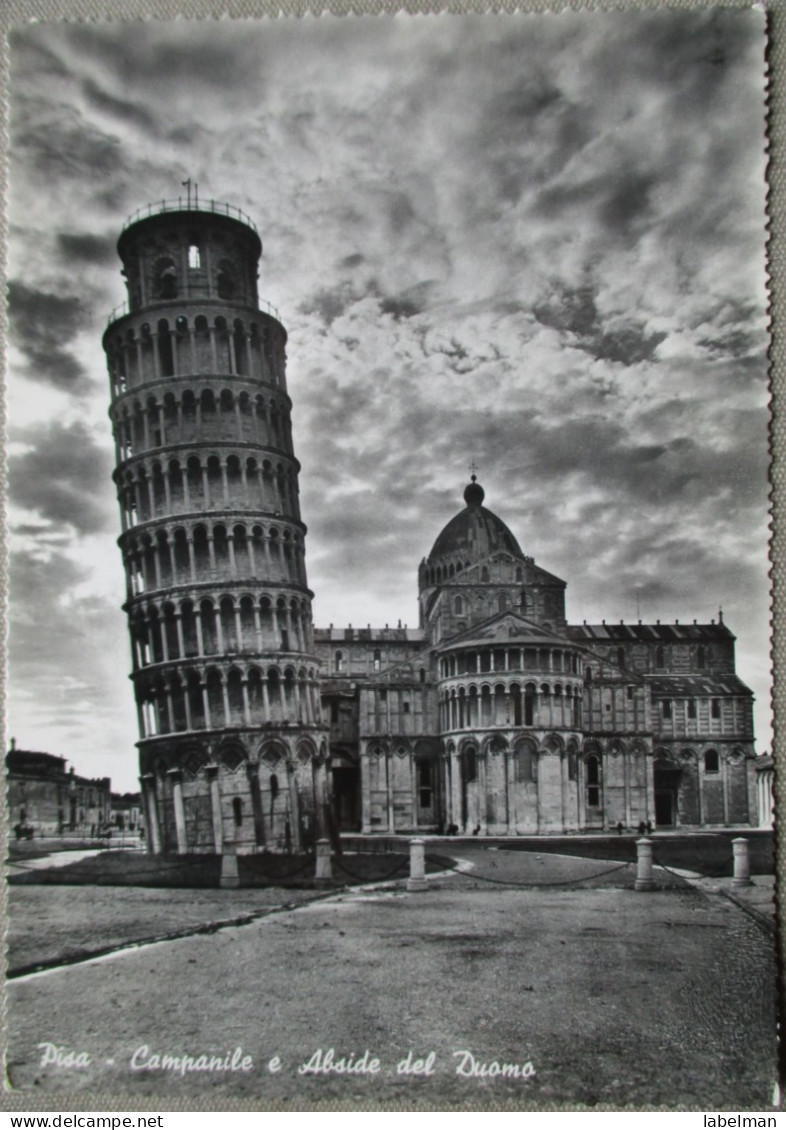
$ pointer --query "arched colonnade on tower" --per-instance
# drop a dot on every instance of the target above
(175, 344)
(196, 552)
(194, 697)
(201, 412)
(200, 626)
(210, 481)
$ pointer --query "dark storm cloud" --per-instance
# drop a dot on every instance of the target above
(329, 304)
(57, 478)
(401, 307)
(132, 113)
(41, 324)
(600, 451)
(64, 148)
(333, 302)
(83, 247)
(29, 55)
(401, 212)
(687, 52)
(619, 201)
(175, 58)
(627, 202)
(576, 311)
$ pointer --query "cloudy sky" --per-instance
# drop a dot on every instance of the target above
(535, 241)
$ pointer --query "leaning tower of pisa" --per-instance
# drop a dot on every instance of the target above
(232, 747)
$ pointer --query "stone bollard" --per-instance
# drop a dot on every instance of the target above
(742, 867)
(229, 875)
(324, 872)
(417, 866)
(644, 880)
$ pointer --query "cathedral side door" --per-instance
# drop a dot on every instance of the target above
(346, 798)
(667, 780)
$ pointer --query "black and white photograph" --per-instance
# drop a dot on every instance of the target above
(389, 694)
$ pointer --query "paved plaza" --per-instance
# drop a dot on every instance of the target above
(596, 994)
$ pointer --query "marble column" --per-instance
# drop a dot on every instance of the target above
(215, 808)
(176, 777)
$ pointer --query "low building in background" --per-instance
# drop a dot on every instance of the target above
(126, 812)
(46, 799)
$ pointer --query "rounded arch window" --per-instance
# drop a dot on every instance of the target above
(711, 761)
(593, 781)
(165, 285)
(225, 281)
(470, 764)
(237, 811)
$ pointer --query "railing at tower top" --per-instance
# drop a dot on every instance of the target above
(214, 207)
(123, 308)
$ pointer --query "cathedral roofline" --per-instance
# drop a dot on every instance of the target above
(368, 634)
(697, 685)
(530, 632)
(649, 633)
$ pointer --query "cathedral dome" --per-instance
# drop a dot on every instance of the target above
(475, 532)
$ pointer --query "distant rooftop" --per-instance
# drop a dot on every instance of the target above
(368, 633)
(690, 685)
(657, 632)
